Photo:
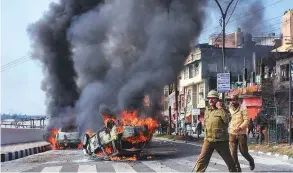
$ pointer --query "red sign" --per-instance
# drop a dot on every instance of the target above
(252, 101)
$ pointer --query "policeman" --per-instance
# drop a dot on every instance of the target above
(237, 132)
(216, 135)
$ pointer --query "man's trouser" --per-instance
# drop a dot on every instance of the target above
(222, 147)
(241, 141)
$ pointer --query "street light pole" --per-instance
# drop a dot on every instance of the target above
(224, 14)
(290, 101)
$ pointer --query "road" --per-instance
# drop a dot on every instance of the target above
(166, 156)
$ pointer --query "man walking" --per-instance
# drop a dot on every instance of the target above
(215, 135)
(237, 132)
(198, 127)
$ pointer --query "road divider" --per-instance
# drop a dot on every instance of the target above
(23, 153)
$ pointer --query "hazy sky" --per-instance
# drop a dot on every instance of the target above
(20, 82)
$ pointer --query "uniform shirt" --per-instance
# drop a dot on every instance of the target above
(216, 125)
(239, 118)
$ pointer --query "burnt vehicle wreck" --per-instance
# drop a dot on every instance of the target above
(118, 137)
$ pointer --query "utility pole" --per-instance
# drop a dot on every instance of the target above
(176, 104)
(290, 101)
(223, 24)
(170, 111)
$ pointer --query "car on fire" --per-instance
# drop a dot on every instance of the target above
(68, 137)
(116, 139)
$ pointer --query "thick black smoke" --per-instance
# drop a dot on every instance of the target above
(125, 50)
(51, 47)
(253, 13)
(121, 50)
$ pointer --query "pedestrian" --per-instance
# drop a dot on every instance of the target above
(262, 123)
(250, 127)
(198, 127)
(237, 132)
(216, 135)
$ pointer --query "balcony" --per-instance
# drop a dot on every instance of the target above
(191, 81)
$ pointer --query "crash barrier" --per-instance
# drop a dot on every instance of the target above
(15, 136)
(23, 153)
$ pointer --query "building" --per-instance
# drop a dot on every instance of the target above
(237, 39)
(287, 32)
(201, 68)
(287, 27)
(232, 40)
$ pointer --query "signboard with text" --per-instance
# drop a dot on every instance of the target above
(223, 82)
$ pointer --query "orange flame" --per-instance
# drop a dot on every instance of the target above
(53, 141)
(130, 118)
(52, 138)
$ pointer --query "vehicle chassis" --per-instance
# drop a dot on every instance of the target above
(98, 142)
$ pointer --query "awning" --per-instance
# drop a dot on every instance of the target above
(284, 48)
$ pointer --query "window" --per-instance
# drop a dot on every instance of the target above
(166, 93)
(201, 92)
(69, 129)
(186, 70)
(193, 70)
(284, 72)
(190, 69)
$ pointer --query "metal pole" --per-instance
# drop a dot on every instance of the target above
(290, 100)
(224, 14)
(176, 105)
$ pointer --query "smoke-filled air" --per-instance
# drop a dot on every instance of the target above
(102, 56)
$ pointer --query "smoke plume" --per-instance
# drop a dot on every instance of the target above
(51, 47)
(122, 51)
(253, 16)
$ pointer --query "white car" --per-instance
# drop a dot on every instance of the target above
(68, 137)
(109, 137)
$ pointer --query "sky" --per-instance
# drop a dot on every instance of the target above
(21, 81)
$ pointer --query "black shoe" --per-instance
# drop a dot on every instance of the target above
(238, 169)
(252, 166)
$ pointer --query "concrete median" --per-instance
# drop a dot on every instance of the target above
(17, 154)
(16, 135)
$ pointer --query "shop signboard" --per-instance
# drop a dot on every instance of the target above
(195, 111)
(223, 82)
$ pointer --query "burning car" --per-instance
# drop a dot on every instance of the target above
(128, 135)
(68, 137)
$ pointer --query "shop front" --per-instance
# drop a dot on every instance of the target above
(254, 105)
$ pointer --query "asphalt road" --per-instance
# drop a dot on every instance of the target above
(166, 156)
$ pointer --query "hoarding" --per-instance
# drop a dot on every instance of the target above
(223, 82)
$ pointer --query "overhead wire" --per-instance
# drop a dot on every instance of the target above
(245, 15)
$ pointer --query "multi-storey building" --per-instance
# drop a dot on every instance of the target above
(287, 27)
(200, 71)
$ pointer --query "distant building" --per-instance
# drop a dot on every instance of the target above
(287, 27)
(287, 33)
(237, 39)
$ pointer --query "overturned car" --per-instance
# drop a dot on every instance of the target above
(120, 137)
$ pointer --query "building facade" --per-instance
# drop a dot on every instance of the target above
(287, 27)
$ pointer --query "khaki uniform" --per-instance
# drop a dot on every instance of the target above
(239, 118)
(216, 138)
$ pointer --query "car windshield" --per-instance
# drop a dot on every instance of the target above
(69, 129)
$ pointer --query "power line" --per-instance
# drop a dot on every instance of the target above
(247, 14)
(15, 61)
(26, 58)
(265, 21)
